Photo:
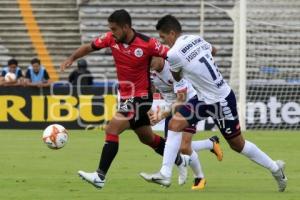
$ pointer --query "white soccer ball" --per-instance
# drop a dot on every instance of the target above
(10, 77)
(55, 136)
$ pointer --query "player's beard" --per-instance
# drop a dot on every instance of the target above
(122, 39)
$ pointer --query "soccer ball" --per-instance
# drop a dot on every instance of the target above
(10, 77)
(55, 136)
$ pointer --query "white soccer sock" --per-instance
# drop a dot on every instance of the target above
(172, 147)
(196, 165)
(251, 151)
(202, 145)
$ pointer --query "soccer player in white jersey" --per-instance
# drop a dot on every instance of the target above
(190, 57)
(162, 80)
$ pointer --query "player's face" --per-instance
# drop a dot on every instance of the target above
(36, 67)
(118, 32)
(168, 38)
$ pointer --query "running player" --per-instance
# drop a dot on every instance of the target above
(190, 57)
(132, 52)
(162, 80)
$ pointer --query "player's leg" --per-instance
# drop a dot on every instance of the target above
(148, 137)
(228, 124)
(194, 161)
(176, 125)
(110, 149)
(141, 126)
(156, 142)
(166, 128)
(211, 144)
(172, 147)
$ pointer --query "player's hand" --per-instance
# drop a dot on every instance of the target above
(152, 117)
(66, 64)
(150, 113)
(156, 116)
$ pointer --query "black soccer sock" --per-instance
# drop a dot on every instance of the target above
(178, 160)
(159, 146)
(109, 151)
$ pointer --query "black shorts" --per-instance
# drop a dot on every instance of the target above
(135, 109)
(224, 114)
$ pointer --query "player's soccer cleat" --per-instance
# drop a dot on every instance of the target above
(279, 176)
(183, 171)
(92, 178)
(216, 147)
(157, 178)
(199, 184)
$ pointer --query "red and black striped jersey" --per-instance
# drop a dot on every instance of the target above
(132, 61)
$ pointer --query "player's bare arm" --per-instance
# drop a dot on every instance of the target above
(78, 53)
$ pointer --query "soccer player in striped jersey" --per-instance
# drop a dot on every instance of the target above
(191, 58)
(162, 80)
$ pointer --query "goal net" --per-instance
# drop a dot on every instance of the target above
(273, 64)
(265, 64)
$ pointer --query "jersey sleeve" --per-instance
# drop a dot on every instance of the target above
(102, 41)
(175, 62)
(157, 49)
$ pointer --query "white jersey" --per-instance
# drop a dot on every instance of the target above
(191, 55)
(163, 82)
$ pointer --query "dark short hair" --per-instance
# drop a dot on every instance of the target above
(12, 62)
(168, 23)
(35, 60)
(120, 17)
(82, 64)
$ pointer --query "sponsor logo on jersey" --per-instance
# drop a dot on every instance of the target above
(138, 52)
(190, 45)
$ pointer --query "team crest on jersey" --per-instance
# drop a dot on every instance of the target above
(138, 52)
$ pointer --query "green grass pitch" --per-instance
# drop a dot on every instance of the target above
(29, 170)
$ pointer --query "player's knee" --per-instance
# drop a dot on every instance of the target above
(175, 126)
(238, 147)
(237, 143)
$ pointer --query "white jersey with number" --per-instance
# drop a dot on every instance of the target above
(163, 82)
(191, 55)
